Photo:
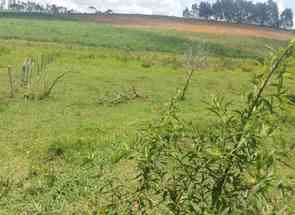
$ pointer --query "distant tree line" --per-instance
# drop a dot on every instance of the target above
(31, 6)
(34, 7)
(242, 12)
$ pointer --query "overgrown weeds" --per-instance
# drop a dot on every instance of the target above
(120, 97)
(228, 168)
(6, 185)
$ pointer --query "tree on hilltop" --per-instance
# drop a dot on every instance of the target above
(205, 10)
(286, 19)
(242, 12)
(272, 12)
(186, 13)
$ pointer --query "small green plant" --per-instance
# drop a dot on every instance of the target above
(4, 51)
(148, 62)
(6, 185)
(225, 169)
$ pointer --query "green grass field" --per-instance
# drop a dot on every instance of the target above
(52, 150)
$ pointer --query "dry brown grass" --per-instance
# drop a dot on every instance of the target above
(187, 25)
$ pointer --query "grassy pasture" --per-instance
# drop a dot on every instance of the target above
(52, 150)
(91, 34)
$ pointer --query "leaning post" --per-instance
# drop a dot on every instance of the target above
(11, 84)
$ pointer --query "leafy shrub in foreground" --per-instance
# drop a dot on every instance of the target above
(226, 169)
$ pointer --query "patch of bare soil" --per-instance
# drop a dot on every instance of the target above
(187, 25)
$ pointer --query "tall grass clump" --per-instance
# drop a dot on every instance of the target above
(34, 80)
(227, 168)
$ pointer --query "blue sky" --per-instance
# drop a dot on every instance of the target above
(290, 3)
(163, 7)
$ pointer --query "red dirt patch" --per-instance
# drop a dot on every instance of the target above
(188, 25)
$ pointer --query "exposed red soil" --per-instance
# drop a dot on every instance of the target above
(187, 25)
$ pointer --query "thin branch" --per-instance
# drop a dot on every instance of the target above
(186, 85)
(273, 69)
(48, 92)
(285, 164)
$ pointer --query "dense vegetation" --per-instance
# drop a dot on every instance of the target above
(227, 168)
(243, 11)
(114, 114)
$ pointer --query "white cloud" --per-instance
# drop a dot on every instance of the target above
(162, 7)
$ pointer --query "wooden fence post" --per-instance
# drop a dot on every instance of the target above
(11, 81)
(23, 73)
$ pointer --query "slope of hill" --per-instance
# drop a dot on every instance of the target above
(155, 39)
(166, 23)
(192, 25)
